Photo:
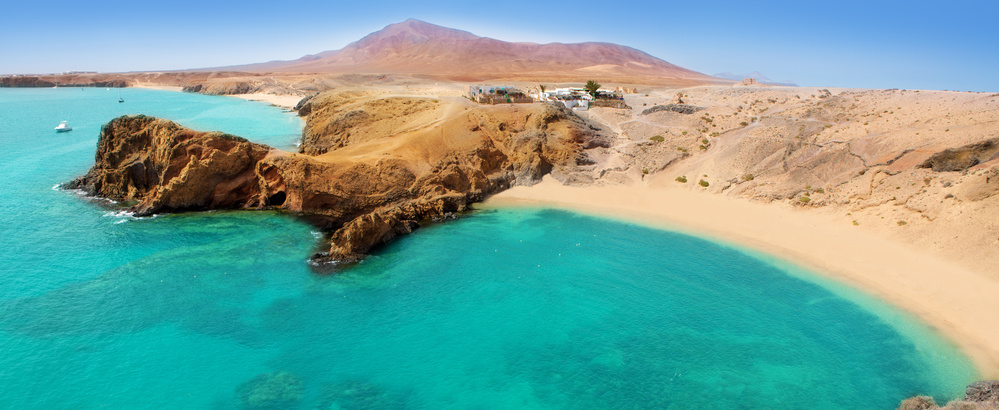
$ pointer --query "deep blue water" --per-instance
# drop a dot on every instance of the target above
(510, 308)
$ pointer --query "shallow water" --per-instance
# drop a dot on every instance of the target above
(513, 308)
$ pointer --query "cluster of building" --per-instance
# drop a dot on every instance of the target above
(573, 98)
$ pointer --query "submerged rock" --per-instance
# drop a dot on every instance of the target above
(280, 390)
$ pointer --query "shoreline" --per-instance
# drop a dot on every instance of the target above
(283, 101)
(958, 303)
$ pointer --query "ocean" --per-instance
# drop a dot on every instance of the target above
(500, 309)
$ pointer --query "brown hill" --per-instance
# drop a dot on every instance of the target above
(418, 48)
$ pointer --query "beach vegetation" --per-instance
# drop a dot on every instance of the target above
(703, 183)
(682, 179)
(658, 138)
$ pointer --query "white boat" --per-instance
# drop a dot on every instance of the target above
(63, 127)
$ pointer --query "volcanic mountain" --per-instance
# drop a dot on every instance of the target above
(422, 49)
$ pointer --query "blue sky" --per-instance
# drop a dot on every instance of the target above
(950, 45)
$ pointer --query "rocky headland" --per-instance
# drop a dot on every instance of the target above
(371, 166)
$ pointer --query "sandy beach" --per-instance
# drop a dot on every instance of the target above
(283, 101)
(958, 302)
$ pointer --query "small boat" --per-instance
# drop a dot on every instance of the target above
(63, 127)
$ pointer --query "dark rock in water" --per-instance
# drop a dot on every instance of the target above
(358, 395)
(281, 390)
(960, 159)
(677, 108)
(983, 391)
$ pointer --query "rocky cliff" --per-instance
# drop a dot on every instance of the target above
(164, 167)
(981, 395)
(371, 167)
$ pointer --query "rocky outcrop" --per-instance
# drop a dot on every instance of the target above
(982, 395)
(221, 87)
(24, 81)
(20, 81)
(164, 167)
(985, 391)
(960, 159)
(367, 187)
(677, 108)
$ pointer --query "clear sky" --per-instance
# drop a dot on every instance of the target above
(951, 45)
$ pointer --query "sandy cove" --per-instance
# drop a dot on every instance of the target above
(283, 101)
(962, 304)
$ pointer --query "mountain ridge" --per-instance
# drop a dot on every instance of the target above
(415, 47)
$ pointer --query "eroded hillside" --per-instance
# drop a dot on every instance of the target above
(913, 164)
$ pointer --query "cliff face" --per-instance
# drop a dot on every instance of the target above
(365, 181)
(61, 81)
(167, 168)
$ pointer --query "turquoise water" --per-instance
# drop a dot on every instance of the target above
(512, 308)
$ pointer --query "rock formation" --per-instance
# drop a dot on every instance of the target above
(982, 395)
(166, 168)
(371, 168)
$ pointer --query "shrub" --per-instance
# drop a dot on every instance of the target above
(704, 141)
(682, 180)
(702, 147)
(683, 133)
(855, 223)
(747, 177)
(681, 149)
(703, 183)
(900, 223)
(658, 138)
(820, 190)
(804, 199)
(645, 171)
(744, 124)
